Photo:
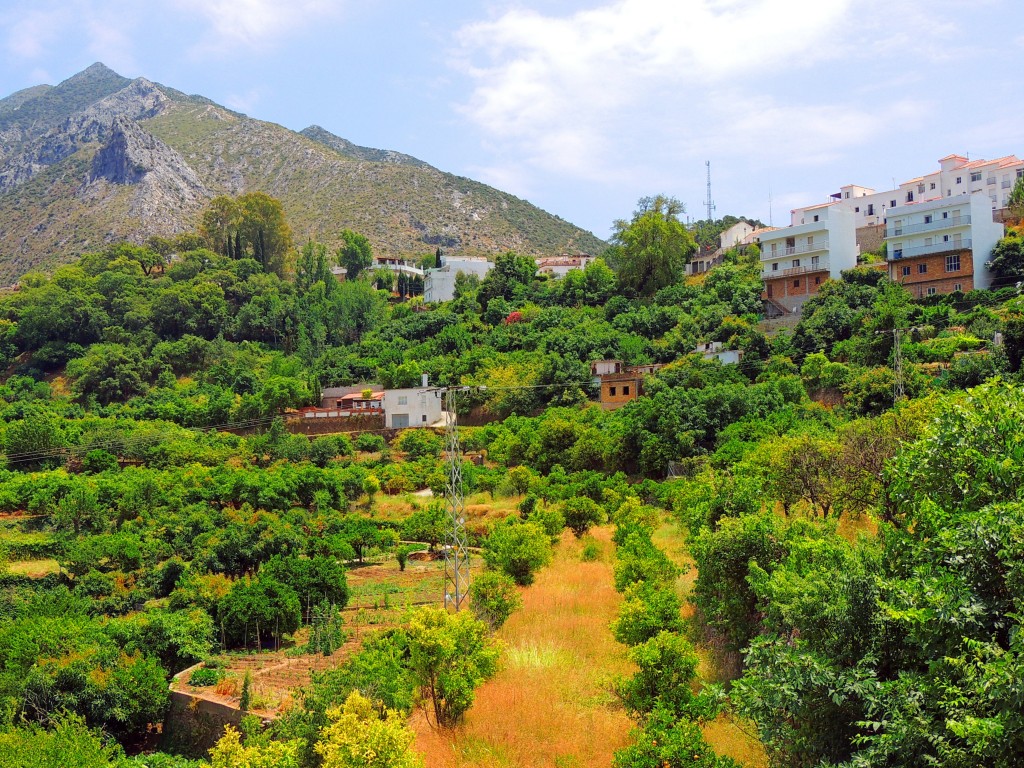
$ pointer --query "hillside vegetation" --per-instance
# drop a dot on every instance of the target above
(177, 152)
(856, 593)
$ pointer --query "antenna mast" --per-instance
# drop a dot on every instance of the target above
(709, 204)
(456, 556)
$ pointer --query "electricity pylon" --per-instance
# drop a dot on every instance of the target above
(456, 556)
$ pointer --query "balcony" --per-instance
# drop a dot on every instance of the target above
(931, 250)
(793, 250)
(909, 229)
(768, 274)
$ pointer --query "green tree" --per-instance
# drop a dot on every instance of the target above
(581, 513)
(450, 654)
(653, 247)
(493, 598)
(265, 231)
(230, 752)
(1007, 262)
(517, 549)
(355, 253)
(359, 737)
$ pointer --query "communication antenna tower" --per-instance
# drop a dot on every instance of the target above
(456, 556)
(709, 204)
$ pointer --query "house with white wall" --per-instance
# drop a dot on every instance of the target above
(796, 260)
(414, 407)
(941, 245)
(439, 283)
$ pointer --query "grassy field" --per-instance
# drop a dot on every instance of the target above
(551, 703)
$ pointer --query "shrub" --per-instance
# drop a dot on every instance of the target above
(204, 677)
(581, 513)
(591, 551)
(518, 550)
(493, 598)
(368, 442)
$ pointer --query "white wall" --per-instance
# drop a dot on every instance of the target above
(422, 406)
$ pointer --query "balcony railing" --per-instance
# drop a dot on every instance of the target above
(767, 274)
(793, 250)
(909, 229)
(934, 248)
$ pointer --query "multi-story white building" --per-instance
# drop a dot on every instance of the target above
(439, 284)
(398, 266)
(941, 245)
(796, 260)
(957, 175)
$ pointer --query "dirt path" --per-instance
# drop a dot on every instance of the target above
(728, 736)
(551, 703)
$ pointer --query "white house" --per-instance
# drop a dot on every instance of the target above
(560, 266)
(941, 245)
(417, 407)
(796, 260)
(735, 235)
(439, 283)
(716, 350)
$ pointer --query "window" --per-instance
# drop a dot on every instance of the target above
(815, 217)
(817, 280)
(611, 391)
(957, 287)
(856, 209)
(910, 196)
(775, 267)
(871, 210)
(906, 271)
(892, 203)
(424, 418)
(846, 195)
(990, 180)
(796, 283)
(920, 189)
(975, 175)
(945, 238)
(815, 260)
(945, 214)
(625, 390)
(928, 219)
(931, 291)
(403, 400)
(927, 241)
(897, 251)
(810, 241)
(796, 262)
(959, 180)
(953, 263)
(932, 185)
(922, 269)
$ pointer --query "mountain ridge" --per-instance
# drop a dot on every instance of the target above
(101, 158)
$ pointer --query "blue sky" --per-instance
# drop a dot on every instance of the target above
(582, 107)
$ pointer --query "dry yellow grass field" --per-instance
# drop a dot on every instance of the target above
(551, 704)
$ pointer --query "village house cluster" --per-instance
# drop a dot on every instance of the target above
(938, 231)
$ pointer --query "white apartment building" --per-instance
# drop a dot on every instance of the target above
(796, 260)
(957, 175)
(439, 284)
(941, 245)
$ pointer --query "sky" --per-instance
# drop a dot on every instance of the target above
(582, 106)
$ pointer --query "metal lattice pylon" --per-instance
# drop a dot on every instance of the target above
(456, 556)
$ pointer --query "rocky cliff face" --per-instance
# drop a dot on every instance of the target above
(100, 159)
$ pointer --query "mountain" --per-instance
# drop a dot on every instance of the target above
(101, 158)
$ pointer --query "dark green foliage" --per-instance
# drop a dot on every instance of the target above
(204, 677)
(664, 742)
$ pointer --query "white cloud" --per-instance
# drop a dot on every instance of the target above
(33, 33)
(250, 22)
(651, 85)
